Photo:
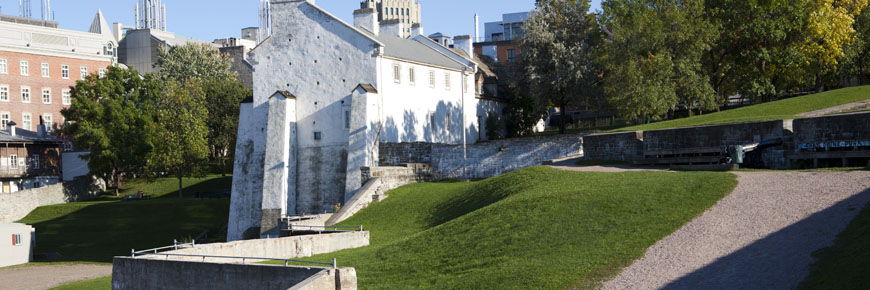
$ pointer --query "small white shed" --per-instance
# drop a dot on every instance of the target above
(16, 244)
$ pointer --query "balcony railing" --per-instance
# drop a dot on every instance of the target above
(17, 171)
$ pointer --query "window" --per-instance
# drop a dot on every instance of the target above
(26, 122)
(102, 72)
(64, 72)
(4, 67)
(46, 96)
(4, 119)
(447, 81)
(16, 239)
(45, 70)
(35, 161)
(464, 84)
(347, 119)
(318, 136)
(412, 76)
(13, 161)
(397, 73)
(431, 78)
(25, 95)
(67, 146)
(512, 55)
(25, 68)
(4, 93)
(84, 70)
(46, 118)
(67, 100)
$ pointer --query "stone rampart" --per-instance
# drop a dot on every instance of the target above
(839, 128)
(626, 146)
(132, 273)
(279, 248)
(15, 206)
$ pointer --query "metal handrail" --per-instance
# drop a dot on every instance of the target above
(174, 247)
(334, 264)
(334, 228)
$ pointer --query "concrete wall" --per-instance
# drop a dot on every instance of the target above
(817, 131)
(22, 253)
(129, 273)
(247, 190)
(280, 248)
(73, 165)
(626, 146)
(15, 206)
(484, 159)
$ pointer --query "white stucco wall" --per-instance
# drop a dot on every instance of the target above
(16, 254)
(247, 190)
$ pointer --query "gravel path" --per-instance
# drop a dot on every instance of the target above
(761, 236)
(837, 109)
(49, 276)
(571, 165)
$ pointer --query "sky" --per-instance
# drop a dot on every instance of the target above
(213, 19)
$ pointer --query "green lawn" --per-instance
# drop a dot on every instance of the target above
(95, 284)
(95, 231)
(535, 228)
(845, 265)
(779, 110)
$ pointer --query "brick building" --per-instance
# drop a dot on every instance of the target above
(499, 41)
(40, 62)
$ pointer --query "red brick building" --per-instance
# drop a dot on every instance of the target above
(39, 63)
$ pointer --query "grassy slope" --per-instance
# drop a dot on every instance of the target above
(96, 231)
(845, 265)
(95, 284)
(535, 228)
(779, 110)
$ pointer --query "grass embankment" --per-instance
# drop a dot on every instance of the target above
(95, 231)
(535, 228)
(95, 284)
(778, 110)
(845, 265)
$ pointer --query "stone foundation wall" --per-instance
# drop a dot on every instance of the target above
(280, 248)
(15, 206)
(850, 127)
(626, 146)
(713, 136)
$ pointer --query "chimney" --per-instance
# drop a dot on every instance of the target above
(367, 18)
(464, 43)
(476, 28)
(416, 29)
(11, 127)
(117, 31)
(393, 27)
(40, 130)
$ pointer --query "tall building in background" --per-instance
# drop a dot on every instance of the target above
(265, 28)
(151, 14)
(407, 12)
(499, 38)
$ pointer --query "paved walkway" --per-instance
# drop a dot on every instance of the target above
(761, 236)
(40, 277)
(838, 109)
(571, 165)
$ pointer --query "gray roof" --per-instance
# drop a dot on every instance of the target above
(412, 50)
(24, 136)
(368, 88)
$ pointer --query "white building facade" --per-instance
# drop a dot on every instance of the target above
(325, 94)
(18, 249)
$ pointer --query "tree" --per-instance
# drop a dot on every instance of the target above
(557, 54)
(653, 57)
(223, 92)
(856, 62)
(223, 99)
(181, 145)
(112, 117)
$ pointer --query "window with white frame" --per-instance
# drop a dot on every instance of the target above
(447, 81)
(46, 70)
(464, 84)
(4, 66)
(4, 119)
(26, 121)
(67, 146)
(102, 72)
(13, 161)
(431, 78)
(4, 93)
(35, 161)
(412, 76)
(25, 68)
(397, 73)
(84, 71)
(64, 72)
(16, 239)
(49, 124)
(25, 94)
(66, 99)
(46, 96)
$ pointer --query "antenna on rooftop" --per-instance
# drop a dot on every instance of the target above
(24, 10)
(151, 14)
(46, 9)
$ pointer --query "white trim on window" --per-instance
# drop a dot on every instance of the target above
(25, 68)
(27, 121)
(5, 117)
(16, 238)
(431, 78)
(66, 97)
(64, 71)
(25, 94)
(4, 66)
(397, 73)
(102, 72)
(84, 71)
(447, 81)
(49, 122)
(13, 161)
(46, 96)
(412, 76)
(4, 93)
(46, 70)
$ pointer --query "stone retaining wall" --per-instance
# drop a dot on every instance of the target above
(15, 206)
(626, 146)
(849, 127)
(279, 248)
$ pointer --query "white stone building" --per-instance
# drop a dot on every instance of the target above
(19, 249)
(325, 94)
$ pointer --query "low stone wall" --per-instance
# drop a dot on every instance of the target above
(713, 136)
(280, 248)
(485, 159)
(840, 128)
(15, 206)
(626, 146)
(370, 192)
(130, 273)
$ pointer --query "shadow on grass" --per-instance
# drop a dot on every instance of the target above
(780, 260)
(97, 231)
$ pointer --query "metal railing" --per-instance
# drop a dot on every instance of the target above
(176, 246)
(320, 229)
